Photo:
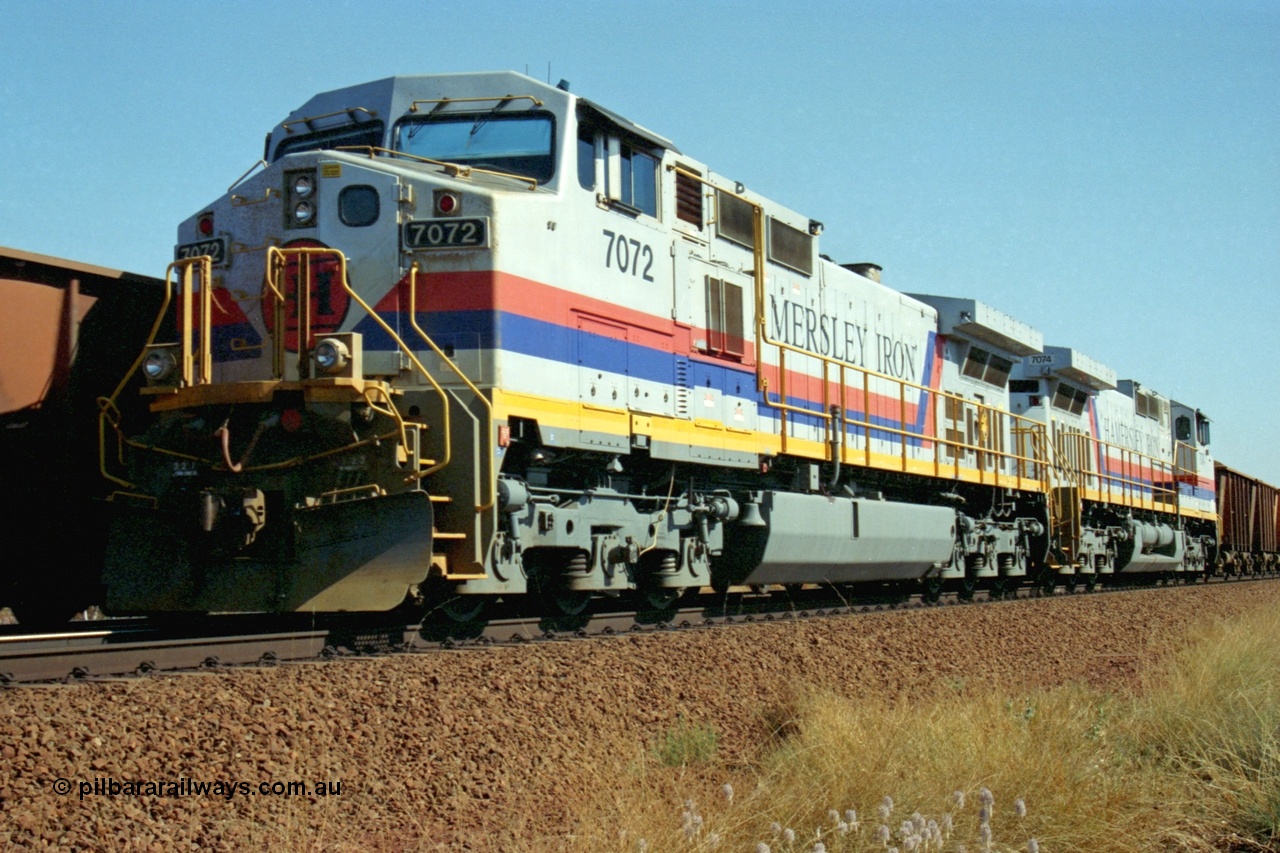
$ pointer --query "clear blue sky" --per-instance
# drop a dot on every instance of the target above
(1106, 171)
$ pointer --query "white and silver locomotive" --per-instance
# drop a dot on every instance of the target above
(469, 336)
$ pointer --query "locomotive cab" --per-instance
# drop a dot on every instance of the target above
(330, 359)
(1195, 476)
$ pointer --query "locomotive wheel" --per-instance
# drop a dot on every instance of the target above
(462, 608)
(1091, 582)
(554, 598)
(567, 602)
(931, 589)
(658, 598)
(444, 613)
(649, 595)
(548, 569)
(966, 585)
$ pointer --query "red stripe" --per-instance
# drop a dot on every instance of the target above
(488, 290)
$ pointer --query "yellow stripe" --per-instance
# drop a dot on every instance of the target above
(1143, 502)
(553, 413)
(556, 413)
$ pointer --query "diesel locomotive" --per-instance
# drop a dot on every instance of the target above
(461, 338)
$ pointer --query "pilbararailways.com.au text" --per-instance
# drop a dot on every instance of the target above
(184, 787)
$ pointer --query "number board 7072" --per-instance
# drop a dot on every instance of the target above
(446, 233)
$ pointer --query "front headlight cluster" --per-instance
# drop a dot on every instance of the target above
(301, 198)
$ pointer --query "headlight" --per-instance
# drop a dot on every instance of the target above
(332, 355)
(302, 198)
(159, 365)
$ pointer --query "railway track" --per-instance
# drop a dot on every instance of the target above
(130, 648)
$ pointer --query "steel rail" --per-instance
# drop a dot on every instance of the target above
(87, 654)
(62, 656)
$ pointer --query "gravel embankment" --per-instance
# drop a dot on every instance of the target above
(457, 750)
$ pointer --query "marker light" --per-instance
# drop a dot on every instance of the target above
(447, 203)
(205, 225)
(291, 420)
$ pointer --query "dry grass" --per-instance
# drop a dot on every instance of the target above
(1214, 723)
(1192, 763)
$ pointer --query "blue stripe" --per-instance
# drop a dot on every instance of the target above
(234, 342)
(465, 330)
(1187, 490)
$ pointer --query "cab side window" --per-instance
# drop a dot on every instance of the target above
(627, 170)
(639, 185)
(587, 158)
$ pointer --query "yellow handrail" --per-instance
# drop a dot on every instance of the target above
(841, 420)
(278, 299)
(242, 201)
(441, 102)
(1118, 487)
(247, 172)
(456, 170)
(197, 366)
(193, 363)
(349, 112)
(486, 428)
(108, 404)
(276, 259)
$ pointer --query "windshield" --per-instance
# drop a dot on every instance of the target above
(369, 133)
(521, 144)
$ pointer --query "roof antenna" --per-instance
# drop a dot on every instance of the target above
(548, 71)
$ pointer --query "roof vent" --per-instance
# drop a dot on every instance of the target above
(865, 269)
